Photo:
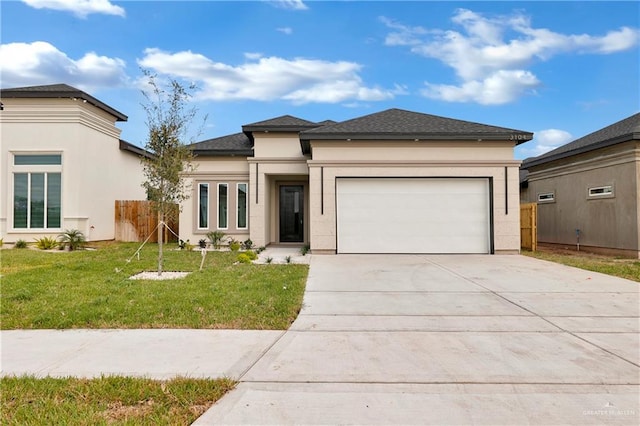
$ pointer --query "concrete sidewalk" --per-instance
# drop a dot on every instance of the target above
(449, 340)
(157, 354)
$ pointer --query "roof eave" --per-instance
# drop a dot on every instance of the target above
(518, 138)
(603, 144)
(223, 152)
(8, 93)
(128, 147)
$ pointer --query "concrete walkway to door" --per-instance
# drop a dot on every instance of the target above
(449, 340)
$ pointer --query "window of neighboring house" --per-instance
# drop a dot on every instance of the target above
(546, 197)
(223, 206)
(605, 191)
(242, 206)
(203, 206)
(37, 195)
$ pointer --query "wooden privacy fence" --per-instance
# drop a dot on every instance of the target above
(529, 226)
(136, 220)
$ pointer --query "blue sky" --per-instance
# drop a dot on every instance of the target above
(559, 69)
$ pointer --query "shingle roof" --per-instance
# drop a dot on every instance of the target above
(59, 91)
(285, 123)
(236, 144)
(401, 124)
(621, 131)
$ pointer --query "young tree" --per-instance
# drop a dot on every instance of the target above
(168, 119)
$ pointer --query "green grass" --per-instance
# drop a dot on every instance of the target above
(624, 268)
(92, 289)
(107, 400)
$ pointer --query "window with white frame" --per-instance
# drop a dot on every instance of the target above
(203, 206)
(37, 191)
(605, 191)
(223, 206)
(242, 201)
(546, 197)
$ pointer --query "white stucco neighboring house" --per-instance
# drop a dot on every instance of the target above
(395, 181)
(62, 164)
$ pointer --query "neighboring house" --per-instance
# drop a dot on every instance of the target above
(390, 182)
(62, 164)
(589, 189)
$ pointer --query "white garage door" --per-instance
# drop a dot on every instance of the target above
(413, 215)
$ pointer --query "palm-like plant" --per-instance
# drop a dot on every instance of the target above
(72, 239)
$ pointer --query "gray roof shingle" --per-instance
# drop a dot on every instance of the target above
(236, 144)
(59, 91)
(400, 124)
(285, 123)
(621, 131)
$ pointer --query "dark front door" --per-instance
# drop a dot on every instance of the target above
(291, 213)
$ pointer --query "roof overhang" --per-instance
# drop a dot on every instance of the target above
(223, 152)
(54, 94)
(536, 161)
(126, 146)
(306, 138)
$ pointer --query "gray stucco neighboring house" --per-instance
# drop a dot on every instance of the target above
(588, 191)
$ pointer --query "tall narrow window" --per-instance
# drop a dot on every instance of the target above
(203, 206)
(223, 206)
(242, 206)
(20, 200)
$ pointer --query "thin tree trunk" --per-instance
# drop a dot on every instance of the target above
(160, 240)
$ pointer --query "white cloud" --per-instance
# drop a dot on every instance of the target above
(545, 141)
(289, 4)
(285, 30)
(253, 55)
(484, 58)
(500, 87)
(42, 63)
(298, 80)
(80, 8)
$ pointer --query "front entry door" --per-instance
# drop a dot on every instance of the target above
(291, 214)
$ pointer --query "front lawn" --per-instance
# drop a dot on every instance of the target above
(92, 289)
(619, 267)
(107, 400)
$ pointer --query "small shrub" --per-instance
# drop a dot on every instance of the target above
(1, 241)
(72, 239)
(20, 244)
(287, 259)
(247, 244)
(46, 243)
(216, 238)
(234, 245)
(269, 259)
(188, 246)
(251, 254)
(260, 249)
(243, 258)
(305, 249)
(202, 243)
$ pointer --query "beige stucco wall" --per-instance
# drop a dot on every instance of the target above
(277, 145)
(609, 222)
(402, 159)
(95, 172)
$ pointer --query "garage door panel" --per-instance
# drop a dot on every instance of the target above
(400, 215)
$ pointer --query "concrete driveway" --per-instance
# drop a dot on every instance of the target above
(449, 340)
